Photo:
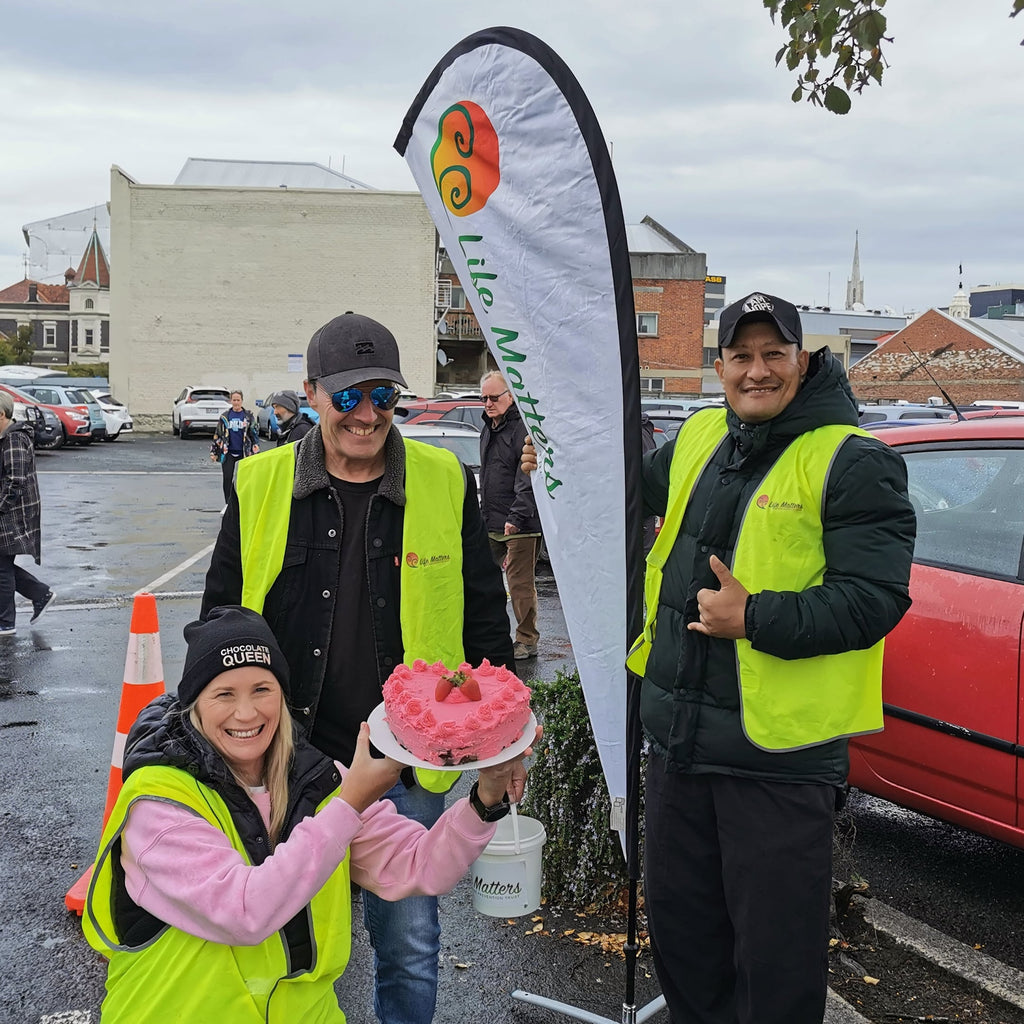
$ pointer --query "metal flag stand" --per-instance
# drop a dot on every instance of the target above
(630, 1013)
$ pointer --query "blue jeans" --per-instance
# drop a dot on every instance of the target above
(406, 936)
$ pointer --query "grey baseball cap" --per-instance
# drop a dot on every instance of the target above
(350, 349)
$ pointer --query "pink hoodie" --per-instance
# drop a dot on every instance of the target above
(185, 872)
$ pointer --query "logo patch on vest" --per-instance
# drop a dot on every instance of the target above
(415, 561)
(765, 501)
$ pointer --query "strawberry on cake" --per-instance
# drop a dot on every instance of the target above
(455, 717)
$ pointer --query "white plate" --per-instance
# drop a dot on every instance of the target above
(384, 740)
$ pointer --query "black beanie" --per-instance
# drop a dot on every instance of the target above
(230, 637)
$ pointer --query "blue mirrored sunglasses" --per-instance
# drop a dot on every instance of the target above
(383, 397)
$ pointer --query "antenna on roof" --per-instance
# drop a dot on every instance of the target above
(959, 414)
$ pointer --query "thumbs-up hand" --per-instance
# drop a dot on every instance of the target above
(722, 612)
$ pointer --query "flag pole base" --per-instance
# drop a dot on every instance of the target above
(630, 1014)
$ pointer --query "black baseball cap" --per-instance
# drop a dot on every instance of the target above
(760, 306)
(351, 349)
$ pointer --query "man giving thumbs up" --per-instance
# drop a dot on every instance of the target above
(783, 561)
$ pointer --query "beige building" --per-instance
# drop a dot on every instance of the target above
(224, 285)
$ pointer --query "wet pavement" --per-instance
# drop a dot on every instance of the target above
(142, 513)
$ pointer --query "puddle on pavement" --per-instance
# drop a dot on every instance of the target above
(8, 694)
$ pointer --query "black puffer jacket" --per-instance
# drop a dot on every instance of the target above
(690, 694)
(295, 429)
(163, 735)
(296, 607)
(506, 495)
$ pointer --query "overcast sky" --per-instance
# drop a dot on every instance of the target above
(927, 167)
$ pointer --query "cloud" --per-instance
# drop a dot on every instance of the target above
(704, 136)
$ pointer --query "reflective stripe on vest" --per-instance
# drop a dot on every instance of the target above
(431, 613)
(176, 976)
(785, 704)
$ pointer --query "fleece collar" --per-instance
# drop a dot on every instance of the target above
(311, 468)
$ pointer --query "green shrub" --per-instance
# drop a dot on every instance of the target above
(583, 862)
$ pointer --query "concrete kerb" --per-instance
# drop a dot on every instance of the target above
(839, 1011)
(989, 974)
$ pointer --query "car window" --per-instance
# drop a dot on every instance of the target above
(207, 396)
(970, 508)
(871, 417)
(80, 397)
(466, 447)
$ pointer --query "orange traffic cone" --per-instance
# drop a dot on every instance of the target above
(143, 681)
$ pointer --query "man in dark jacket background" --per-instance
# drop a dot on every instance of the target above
(783, 562)
(341, 602)
(509, 507)
(292, 423)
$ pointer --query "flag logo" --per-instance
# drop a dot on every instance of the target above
(464, 159)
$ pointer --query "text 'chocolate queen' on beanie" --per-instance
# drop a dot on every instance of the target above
(230, 637)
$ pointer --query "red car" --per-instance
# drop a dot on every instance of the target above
(953, 743)
(73, 418)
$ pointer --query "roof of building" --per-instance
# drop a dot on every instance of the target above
(651, 237)
(1006, 335)
(94, 268)
(264, 174)
(46, 294)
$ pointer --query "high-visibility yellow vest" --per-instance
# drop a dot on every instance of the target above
(785, 705)
(432, 609)
(175, 976)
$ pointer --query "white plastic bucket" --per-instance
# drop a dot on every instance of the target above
(506, 875)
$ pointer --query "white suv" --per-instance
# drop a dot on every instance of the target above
(198, 409)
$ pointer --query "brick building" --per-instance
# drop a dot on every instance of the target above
(973, 359)
(668, 297)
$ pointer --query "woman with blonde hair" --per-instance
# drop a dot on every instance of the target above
(221, 890)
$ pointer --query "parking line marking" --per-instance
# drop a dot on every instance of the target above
(178, 569)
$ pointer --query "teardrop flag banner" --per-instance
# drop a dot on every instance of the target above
(510, 160)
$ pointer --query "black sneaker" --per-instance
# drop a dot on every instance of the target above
(38, 607)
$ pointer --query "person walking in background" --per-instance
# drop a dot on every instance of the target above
(19, 519)
(365, 550)
(292, 423)
(509, 507)
(221, 892)
(235, 438)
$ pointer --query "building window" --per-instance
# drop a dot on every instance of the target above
(458, 299)
(710, 355)
(649, 384)
(88, 337)
(647, 324)
(49, 335)
(89, 304)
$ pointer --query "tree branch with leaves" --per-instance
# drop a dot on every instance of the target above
(837, 47)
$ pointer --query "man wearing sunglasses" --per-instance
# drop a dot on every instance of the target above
(364, 550)
(509, 507)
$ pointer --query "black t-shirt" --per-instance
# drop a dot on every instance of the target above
(352, 686)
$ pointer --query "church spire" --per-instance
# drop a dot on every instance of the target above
(855, 285)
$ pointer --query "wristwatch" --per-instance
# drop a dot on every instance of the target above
(494, 813)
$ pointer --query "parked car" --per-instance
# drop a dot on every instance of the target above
(461, 439)
(667, 422)
(431, 409)
(870, 414)
(266, 421)
(471, 415)
(198, 408)
(952, 686)
(651, 405)
(47, 432)
(117, 418)
(80, 417)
